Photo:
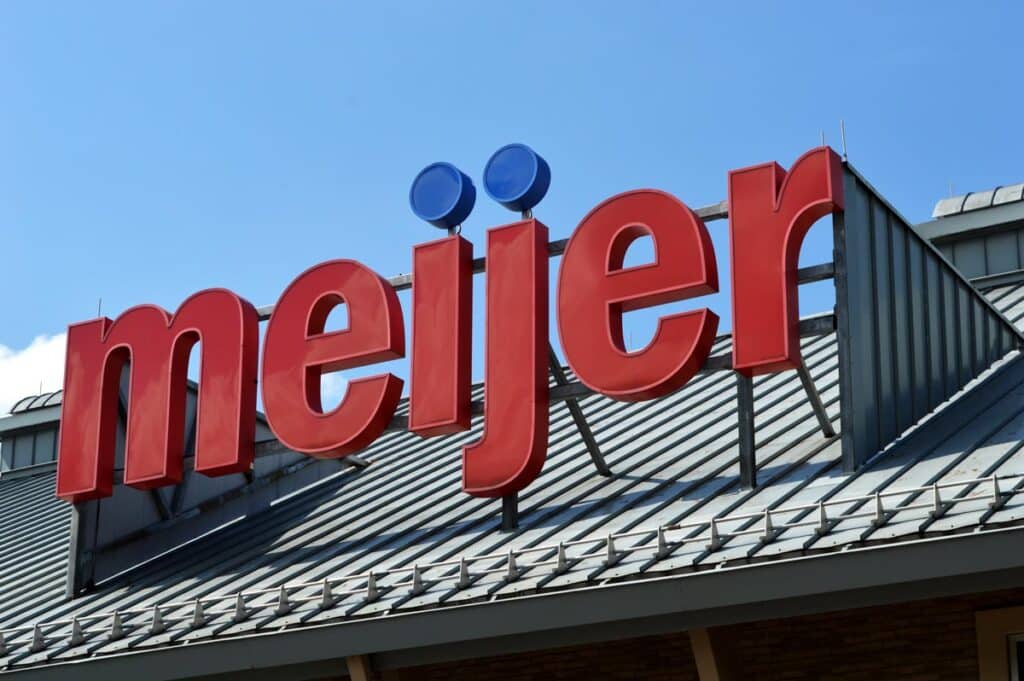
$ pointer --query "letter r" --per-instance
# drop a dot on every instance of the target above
(770, 212)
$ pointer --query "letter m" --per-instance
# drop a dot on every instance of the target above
(156, 348)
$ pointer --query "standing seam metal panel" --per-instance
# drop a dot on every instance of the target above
(912, 330)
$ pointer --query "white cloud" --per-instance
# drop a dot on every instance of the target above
(332, 388)
(22, 371)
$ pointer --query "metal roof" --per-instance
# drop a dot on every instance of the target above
(978, 200)
(398, 536)
(37, 402)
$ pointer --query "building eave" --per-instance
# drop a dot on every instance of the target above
(857, 577)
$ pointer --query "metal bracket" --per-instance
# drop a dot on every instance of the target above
(510, 513)
(578, 416)
(745, 412)
(84, 530)
(161, 507)
(181, 489)
(815, 399)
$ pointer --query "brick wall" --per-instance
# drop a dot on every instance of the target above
(918, 641)
(658, 658)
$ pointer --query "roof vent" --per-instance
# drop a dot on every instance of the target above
(982, 234)
(955, 205)
(28, 437)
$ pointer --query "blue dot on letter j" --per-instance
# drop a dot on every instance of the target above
(442, 195)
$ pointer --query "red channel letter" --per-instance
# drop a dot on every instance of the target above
(158, 347)
(512, 451)
(297, 351)
(770, 212)
(594, 289)
(442, 337)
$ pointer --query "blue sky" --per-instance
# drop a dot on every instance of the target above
(148, 150)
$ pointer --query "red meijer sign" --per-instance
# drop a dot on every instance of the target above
(770, 211)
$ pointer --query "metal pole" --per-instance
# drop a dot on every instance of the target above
(578, 416)
(745, 412)
(510, 513)
(815, 399)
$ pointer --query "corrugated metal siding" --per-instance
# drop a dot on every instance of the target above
(29, 447)
(675, 461)
(981, 255)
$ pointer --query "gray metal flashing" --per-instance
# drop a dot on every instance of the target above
(994, 280)
(30, 419)
(29, 471)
